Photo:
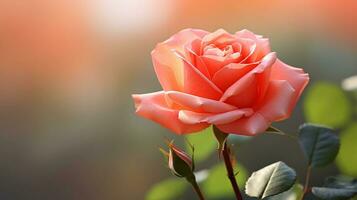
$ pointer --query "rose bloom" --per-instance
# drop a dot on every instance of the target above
(232, 81)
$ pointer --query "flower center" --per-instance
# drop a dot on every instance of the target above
(226, 51)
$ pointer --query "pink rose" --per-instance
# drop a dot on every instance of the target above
(232, 81)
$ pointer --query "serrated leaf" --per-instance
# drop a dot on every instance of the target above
(169, 189)
(320, 144)
(270, 180)
(327, 103)
(333, 193)
(204, 143)
(345, 160)
(217, 184)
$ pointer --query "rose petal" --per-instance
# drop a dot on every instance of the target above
(248, 48)
(297, 78)
(153, 106)
(196, 83)
(219, 38)
(183, 37)
(244, 91)
(214, 52)
(277, 101)
(215, 63)
(190, 117)
(276, 106)
(262, 45)
(230, 73)
(237, 47)
(192, 52)
(246, 126)
(198, 104)
(168, 68)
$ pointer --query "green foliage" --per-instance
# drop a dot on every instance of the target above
(270, 180)
(319, 144)
(217, 184)
(341, 182)
(336, 188)
(169, 189)
(204, 143)
(293, 193)
(347, 159)
(326, 103)
(333, 193)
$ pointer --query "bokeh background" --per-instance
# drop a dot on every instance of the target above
(67, 69)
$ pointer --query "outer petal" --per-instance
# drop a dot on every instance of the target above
(153, 106)
(243, 92)
(296, 77)
(246, 126)
(277, 101)
(167, 66)
(277, 104)
(198, 104)
(183, 37)
(190, 117)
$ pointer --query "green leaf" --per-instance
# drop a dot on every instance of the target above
(327, 103)
(320, 144)
(336, 188)
(168, 189)
(270, 180)
(346, 159)
(333, 193)
(293, 193)
(217, 184)
(341, 182)
(204, 143)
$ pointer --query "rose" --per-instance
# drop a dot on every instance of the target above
(232, 81)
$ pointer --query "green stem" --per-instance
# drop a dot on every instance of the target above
(230, 172)
(195, 186)
(307, 180)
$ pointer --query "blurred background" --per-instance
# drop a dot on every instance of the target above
(67, 69)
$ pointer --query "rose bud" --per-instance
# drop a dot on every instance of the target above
(179, 162)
